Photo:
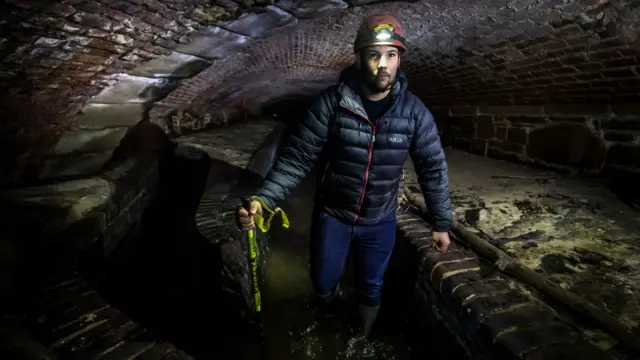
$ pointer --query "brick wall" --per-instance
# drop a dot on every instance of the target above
(520, 75)
(54, 55)
(504, 52)
(592, 138)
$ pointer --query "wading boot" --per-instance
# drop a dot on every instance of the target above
(367, 317)
(329, 320)
(330, 297)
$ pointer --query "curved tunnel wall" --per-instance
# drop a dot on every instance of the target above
(556, 84)
(554, 81)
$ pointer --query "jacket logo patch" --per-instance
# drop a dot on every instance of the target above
(395, 140)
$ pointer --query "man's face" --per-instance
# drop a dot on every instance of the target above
(379, 65)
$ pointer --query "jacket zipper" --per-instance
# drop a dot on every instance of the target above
(324, 174)
(366, 173)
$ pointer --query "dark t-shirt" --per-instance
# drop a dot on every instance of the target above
(375, 108)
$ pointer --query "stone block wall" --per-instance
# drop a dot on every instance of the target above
(591, 138)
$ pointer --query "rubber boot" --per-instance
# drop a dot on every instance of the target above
(367, 315)
(330, 297)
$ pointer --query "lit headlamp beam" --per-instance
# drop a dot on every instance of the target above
(383, 35)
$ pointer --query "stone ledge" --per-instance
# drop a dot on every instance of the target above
(486, 315)
(51, 210)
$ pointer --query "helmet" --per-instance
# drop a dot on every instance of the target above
(380, 29)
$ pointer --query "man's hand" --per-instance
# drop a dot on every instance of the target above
(244, 218)
(441, 241)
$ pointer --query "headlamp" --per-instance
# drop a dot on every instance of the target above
(383, 34)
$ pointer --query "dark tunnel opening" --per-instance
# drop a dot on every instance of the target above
(178, 280)
(288, 109)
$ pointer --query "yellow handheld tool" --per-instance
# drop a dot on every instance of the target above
(252, 249)
(264, 224)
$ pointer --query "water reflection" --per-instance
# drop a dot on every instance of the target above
(297, 327)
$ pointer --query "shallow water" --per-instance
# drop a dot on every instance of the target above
(166, 281)
(296, 327)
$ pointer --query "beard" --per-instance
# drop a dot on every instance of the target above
(378, 83)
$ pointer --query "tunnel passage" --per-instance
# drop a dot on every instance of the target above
(499, 76)
(551, 83)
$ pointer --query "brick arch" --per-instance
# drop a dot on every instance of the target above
(486, 53)
(494, 74)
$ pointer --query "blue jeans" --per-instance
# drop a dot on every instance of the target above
(372, 248)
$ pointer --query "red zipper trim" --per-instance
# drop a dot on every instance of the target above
(366, 173)
(325, 172)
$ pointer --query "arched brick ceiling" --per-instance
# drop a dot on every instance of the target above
(462, 52)
(57, 55)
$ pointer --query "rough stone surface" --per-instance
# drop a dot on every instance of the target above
(51, 208)
(486, 54)
(55, 57)
(65, 165)
(574, 231)
(215, 43)
(176, 65)
(89, 327)
(574, 137)
(312, 8)
(66, 316)
(506, 72)
(100, 116)
(261, 24)
(86, 141)
(234, 144)
(567, 144)
(135, 89)
(482, 313)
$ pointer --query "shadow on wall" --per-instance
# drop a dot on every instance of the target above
(169, 275)
(288, 109)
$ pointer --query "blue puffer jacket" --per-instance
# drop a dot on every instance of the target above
(361, 164)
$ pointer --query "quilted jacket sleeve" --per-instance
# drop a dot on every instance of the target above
(299, 154)
(431, 167)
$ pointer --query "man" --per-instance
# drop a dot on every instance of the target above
(359, 134)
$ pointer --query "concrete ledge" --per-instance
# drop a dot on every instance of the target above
(480, 313)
